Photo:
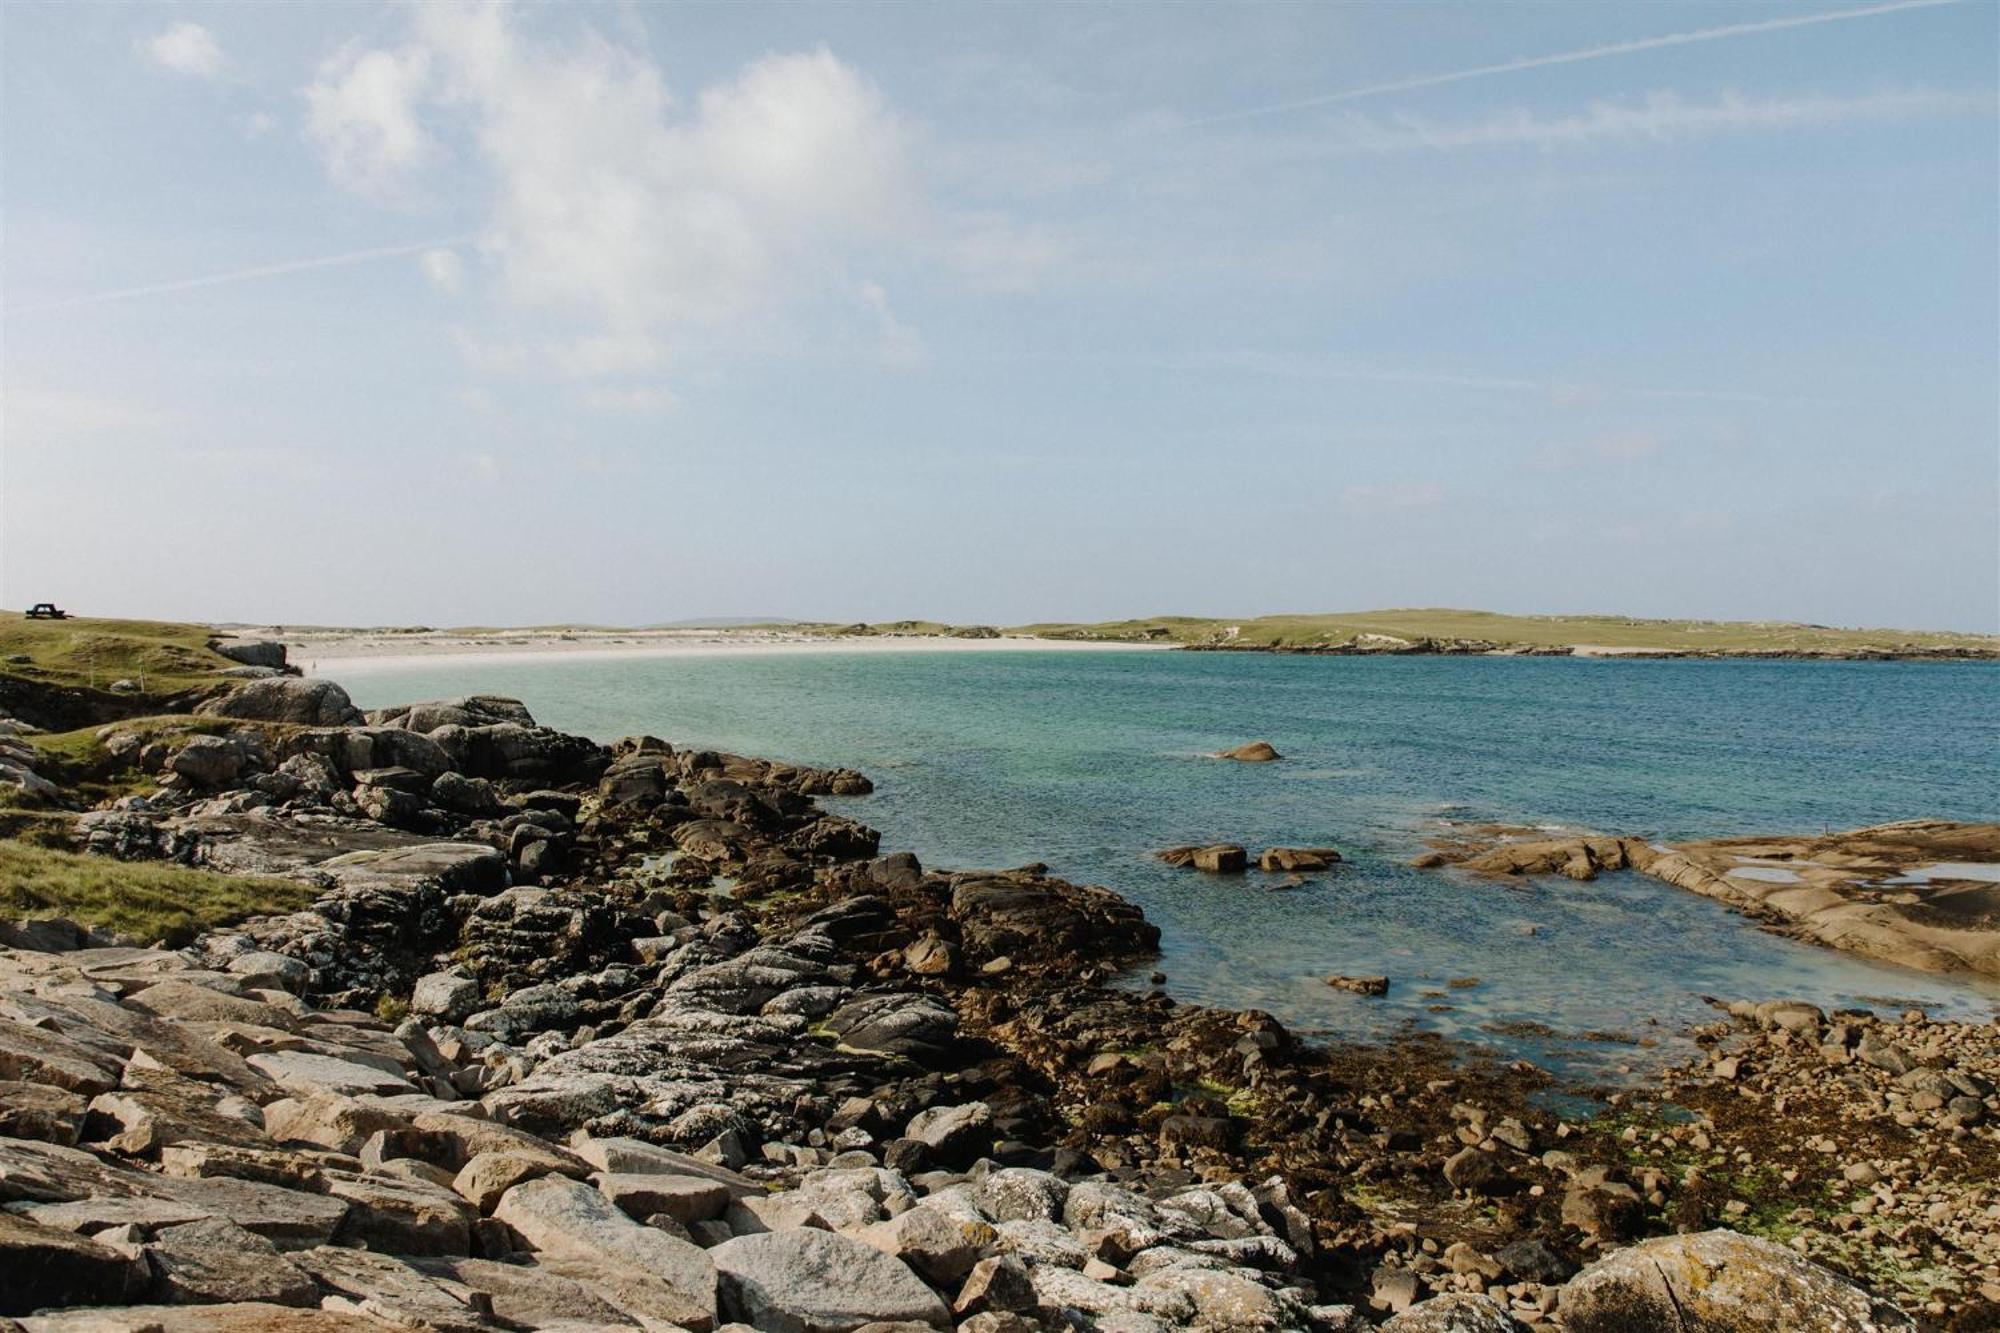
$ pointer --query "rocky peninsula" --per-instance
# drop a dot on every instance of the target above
(580, 1036)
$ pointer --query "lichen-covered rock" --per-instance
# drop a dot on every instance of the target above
(811, 1281)
(1719, 1282)
(1462, 1312)
(314, 703)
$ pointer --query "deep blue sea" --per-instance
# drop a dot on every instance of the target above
(1092, 761)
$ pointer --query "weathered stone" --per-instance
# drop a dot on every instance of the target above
(999, 1283)
(216, 1262)
(328, 1120)
(952, 1132)
(1252, 752)
(40, 1111)
(818, 1282)
(569, 1220)
(402, 1215)
(942, 1246)
(686, 1199)
(44, 1266)
(389, 1290)
(1457, 1312)
(1719, 1282)
(489, 1175)
(306, 1074)
(314, 703)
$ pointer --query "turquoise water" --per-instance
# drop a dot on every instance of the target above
(1092, 761)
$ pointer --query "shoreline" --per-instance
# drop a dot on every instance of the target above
(388, 652)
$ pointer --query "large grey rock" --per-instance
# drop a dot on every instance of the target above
(253, 652)
(305, 1073)
(313, 703)
(817, 1282)
(389, 1290)
(209, 761)
(45, 1266)
(215, 1262)
(570, 1221)
(1719, 1282)
(1459, 1312)
(444, 995)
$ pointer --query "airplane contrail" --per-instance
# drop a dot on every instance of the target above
(239, 275)
(1572, 57)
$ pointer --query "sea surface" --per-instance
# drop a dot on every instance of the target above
(1090, 762)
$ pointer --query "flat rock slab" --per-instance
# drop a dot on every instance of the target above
(569, 1220)
(216, 1262)
(686, 1199)
(43, 1266)
(304, 1073)
(811, 1281)
(254, 1317)
(388, 1289)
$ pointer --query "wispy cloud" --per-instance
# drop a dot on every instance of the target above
(185, 48)
(239, 275)
(1605, 52)
(1556, 390)
(1662, 117)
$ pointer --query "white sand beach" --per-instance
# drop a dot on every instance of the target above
(321, 652)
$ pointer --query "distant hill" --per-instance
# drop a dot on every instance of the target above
(1627, 633)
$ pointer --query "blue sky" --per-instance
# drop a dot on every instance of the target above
(402, 313)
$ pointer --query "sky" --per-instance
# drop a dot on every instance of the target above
(440, 313)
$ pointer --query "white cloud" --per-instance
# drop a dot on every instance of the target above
(618, 215)
(361, 111)
(901, 344)
(444, 268)
(185, 48)
(1661, 117)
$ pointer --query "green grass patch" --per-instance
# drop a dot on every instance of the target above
(144, 900)
(1305, 631)
(160, 656)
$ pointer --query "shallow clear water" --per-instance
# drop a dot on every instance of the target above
(1091, 762)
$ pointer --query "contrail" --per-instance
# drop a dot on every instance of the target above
(240, 275)
(1572, 57)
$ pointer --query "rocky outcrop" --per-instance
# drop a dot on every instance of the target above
(269, 653)
(1922, 893)
(1719, 1282)
(1252, 752)
(312, 703)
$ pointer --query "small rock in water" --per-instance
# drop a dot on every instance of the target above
(1360, 985)
(1254, 752)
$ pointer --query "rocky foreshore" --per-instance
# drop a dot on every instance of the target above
(587, 1037)
(1921, 893)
